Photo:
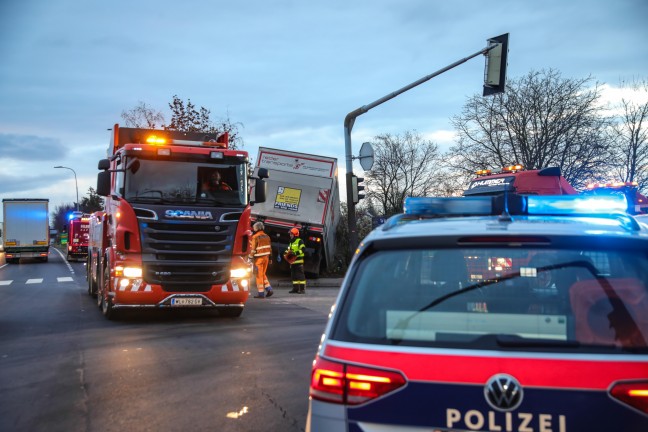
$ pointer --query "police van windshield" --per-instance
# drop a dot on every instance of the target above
(499, 299)
(197, 183)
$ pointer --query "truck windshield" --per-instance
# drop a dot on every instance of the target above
(187, 182)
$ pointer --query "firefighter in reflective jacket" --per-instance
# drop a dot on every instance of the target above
(260, 251)
(295, 256)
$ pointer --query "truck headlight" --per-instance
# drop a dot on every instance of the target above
(239, 273)
(132, 272)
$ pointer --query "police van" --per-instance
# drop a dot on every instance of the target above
(490, 313)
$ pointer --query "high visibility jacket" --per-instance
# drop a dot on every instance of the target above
(297, 247)
(260, 244)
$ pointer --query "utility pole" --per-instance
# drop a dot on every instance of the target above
(500, 42)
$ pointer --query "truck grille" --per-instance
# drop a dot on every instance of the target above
(186, 256)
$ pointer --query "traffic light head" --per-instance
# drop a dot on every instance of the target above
(356, 188)
(495, 69)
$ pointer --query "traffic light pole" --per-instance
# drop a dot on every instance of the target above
(349, 120)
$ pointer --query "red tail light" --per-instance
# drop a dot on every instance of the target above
(634, 394)
(349, 384)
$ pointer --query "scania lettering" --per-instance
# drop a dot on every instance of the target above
(189, 214)
(168, 236)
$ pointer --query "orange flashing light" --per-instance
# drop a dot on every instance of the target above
(612, 185)
(483, 172)
(513, 168)
(156, 140)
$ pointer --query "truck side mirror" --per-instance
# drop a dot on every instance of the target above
(103, 164)
(263, 173)
(260, 189)
(103, 183)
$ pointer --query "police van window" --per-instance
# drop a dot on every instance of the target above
(483, 298)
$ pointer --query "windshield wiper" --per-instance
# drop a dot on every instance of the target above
(404, 323)
(515, 275)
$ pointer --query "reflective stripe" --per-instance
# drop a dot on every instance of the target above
(260, 244)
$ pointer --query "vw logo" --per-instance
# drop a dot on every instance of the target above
(503, 392)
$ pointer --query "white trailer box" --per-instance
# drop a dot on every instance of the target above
(303, 192)
(26, 229)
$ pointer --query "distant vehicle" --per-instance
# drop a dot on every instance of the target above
(78, 234)
(26, 229)
(637, 202)
(513, 313)
(303, 192)
(176, 215)
(515, 179)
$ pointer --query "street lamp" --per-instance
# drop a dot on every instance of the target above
(75, 183)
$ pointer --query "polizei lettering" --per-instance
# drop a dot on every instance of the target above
(188, 214)
(505, 422)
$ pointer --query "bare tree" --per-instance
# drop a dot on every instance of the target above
(143, 116)
(542, 120)
(629, 156)
(403, 167)
(185, 117)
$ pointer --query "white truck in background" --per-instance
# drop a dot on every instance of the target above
(303, 192)
(26, 229)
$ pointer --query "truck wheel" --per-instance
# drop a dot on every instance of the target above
(99, 298)
(106, 302)
(92, 283)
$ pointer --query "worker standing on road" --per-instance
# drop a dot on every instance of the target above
(260, 251)
(295, 256)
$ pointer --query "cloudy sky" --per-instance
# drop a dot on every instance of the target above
(289, 71)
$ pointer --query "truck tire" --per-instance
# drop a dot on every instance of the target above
(92, 283)
(107, 307)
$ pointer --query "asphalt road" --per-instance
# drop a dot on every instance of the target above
(64, 367)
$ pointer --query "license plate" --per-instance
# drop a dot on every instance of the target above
(186, 301)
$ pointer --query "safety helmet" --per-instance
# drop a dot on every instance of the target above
(294, 231)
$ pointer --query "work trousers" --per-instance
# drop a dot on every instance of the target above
(261, 264)
(298, 276)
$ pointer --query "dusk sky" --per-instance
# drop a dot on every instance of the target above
(288, 71)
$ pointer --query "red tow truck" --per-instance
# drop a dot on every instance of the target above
(163, 240)
(515, 179)
(78, 234)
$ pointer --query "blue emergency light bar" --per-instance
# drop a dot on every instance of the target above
(557, 205)
(576, 204)
(429, 206)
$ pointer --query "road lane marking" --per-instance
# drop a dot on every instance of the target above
(7, 282)
(33, 281)
(65, 279)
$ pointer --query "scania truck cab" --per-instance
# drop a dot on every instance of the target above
(171, 242)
